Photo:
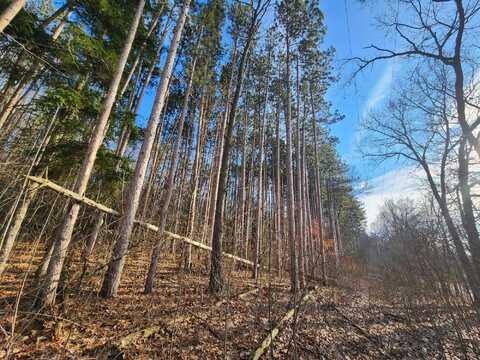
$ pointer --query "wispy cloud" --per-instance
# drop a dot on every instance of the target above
(377, 95)
(399, 183)
(381, 88)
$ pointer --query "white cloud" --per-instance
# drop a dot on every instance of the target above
(377, 95)
(399, 183)
(381, 89)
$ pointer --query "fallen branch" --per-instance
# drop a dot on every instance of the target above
(45, 183)
(205, 247)
(131, 338)
(240, 296)
(114, 349)
(363, 332)
(274, 332)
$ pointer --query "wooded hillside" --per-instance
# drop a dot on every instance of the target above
(170, 188)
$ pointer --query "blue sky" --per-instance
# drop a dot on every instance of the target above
(351, 26)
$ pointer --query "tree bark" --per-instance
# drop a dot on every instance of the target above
(111, 281)
(294, 280)
(300, 236)
(278, 194)
(216, 282)
(10, 12)
(468, 215)
(15, 227)
(459, 80)
(259, 213)
(318, 190)
(48, 293)
(242, 185)
(194, 181)
(150, 281)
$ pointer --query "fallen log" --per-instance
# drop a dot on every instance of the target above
(45, 183)
(274, 332)
(205, 247)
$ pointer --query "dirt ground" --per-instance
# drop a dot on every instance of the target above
(342, 322)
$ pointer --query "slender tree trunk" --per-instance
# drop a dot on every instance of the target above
(306, 225)
(318, 190)
(259, 213)
(219, 149)
(10, 12)
(194, 181)
(111, 281)
(213, 181)
(139, 56)
(15, 227)
(152, 270)
(127, 127)
(249, 200)
(96, 229)
(29, 191)
(155, 161)
(278, 194)
(180, 194)
(241, 190)
(48, 293)
(216, 282)
(332, 221)
(126, 131)
(294, 280)
(468, 215)
(469, 270)
(459, 79)
(299, 189)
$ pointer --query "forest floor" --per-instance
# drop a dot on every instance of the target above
(342, 322)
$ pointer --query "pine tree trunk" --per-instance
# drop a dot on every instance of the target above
(180, 195)
(216, 175)
(294, 281)
(318, 190)
(152, 270)
(92, 239)
(308, 251)
(10, 12)
(278, 195)
(155, 164)
(14, 229)
(111, 281)
(213, 179)
(249, 207)
(333, 220)
(48, 293)
(127, 130)
(298, 196)
(139, 56)
(241, 190)
(258, 215)
(194, 181)
(216, 281)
